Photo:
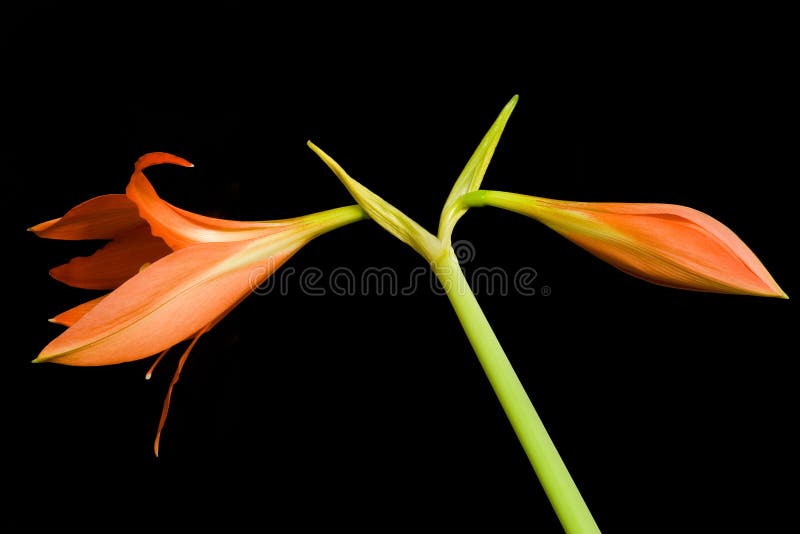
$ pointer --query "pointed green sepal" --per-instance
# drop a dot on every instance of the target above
(471, 177)
(390, 218)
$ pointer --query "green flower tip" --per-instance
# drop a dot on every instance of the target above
(471, 177)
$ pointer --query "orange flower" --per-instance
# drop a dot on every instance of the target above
(164, 294)
(665, 244)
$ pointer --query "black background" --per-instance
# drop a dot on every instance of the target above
(673, 411)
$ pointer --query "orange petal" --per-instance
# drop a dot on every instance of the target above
(71, 316)
(180, 228)
(115, 263)
(665, 244)
(102, 217)
(170, 301)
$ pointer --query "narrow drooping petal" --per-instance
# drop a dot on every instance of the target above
(71, 316)
(180, 228)
(115, 263)
(170, 301)
(665, 244)
(102, 217)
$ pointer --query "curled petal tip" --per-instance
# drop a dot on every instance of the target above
(157, 158)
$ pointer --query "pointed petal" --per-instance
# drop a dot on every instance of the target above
(471, 177)
(665, 244)
(115, 263)
(181, 228)
(389, 217)
(71, 316)
(170, 301)
(102, 217)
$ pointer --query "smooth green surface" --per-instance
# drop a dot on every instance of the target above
(553, 475)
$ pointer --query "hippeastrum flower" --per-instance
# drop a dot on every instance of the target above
(172, 296)
(665, 244)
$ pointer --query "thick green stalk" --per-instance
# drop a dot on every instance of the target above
(553, 475)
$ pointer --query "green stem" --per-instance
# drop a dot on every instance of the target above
(553, 475)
